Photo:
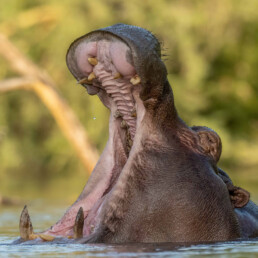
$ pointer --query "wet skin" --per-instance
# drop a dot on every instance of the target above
(245, 209)
(157, 179)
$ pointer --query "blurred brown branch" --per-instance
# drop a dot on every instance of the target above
(40, 82)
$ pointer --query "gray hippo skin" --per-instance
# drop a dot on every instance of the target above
(245, 209)
(155, 180)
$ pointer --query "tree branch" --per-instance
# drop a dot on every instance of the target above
(42, 85)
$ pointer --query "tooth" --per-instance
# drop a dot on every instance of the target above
(117, 76)
(135, 80)
(118, 114)
(33, 236)
(124, 124)
(78, 224)
(46, 237)
(133, 113)
(130, 143)
(25, 225)
(84, 80)
(92, 227)
(93, 60)
(91, 76)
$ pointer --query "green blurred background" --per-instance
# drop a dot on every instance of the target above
(211, 53)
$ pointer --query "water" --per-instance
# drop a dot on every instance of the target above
(43, 215)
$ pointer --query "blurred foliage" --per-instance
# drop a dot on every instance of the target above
(211, 52)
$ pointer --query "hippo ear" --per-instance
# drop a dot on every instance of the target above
(209, 142)
(239, 197)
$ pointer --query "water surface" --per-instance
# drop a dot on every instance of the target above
(43, 215)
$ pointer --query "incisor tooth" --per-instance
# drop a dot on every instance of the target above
(124, 124)
(91, 76)
(92, 227)
(33, 236)
(135, 80)
(118, 114)
(133, 113)
(93, 60)
(46, 237)
(84, 80)
(117, 76)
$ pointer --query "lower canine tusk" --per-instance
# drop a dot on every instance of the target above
(26, 229)
(78, 224)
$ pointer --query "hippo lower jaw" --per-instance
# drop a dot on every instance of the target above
(119, 89)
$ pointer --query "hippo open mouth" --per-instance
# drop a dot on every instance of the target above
(156, 180)
(103, 63)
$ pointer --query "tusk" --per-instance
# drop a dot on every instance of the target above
(25, 225)
(91, 76)
(117, 76)
(93, 60)
(78, 224)
(84, 80)
(46, 237)
(135, 80)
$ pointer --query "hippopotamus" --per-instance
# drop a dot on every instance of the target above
(157, 179)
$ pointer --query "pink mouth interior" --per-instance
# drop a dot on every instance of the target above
(114, 57)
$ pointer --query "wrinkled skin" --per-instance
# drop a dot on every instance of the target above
(157, 179)
(245, 209)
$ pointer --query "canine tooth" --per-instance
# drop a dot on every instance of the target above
(117, 76)
(25, 225)
(135, 80)
(46, 237)
(84, 80)
(124, 124)
(93, 60)
(91, 76)
(92, 227)
(78, 224)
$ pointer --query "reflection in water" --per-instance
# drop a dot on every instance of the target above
(43, 217)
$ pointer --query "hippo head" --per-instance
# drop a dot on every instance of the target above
(150, 152)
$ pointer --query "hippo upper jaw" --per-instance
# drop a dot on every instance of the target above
(104, 64)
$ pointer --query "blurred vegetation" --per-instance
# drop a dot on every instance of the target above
(211, 53)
